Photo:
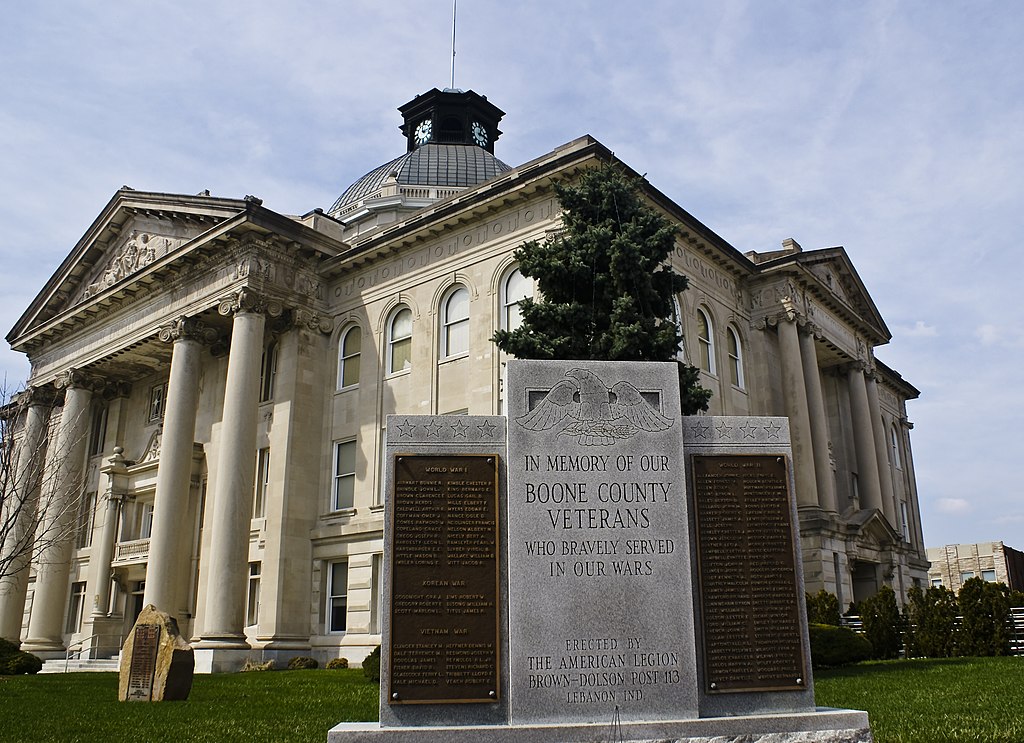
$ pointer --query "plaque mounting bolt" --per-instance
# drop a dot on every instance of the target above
(799, 682)
(394, 695)
(778, 460)
(492, 694)
(713, 686)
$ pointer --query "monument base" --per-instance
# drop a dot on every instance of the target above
(824, 725)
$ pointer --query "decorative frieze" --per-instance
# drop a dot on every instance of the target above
(313, 321)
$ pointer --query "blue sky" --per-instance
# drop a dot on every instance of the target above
(895, 129)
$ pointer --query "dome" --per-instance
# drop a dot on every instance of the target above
(432, 166)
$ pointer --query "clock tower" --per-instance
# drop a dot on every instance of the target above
(450, 117)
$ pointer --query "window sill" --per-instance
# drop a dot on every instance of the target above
(453, 357)
(339, 513)
(400, 373)
(351, 387)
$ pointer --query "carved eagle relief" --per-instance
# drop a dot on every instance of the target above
(597, 415)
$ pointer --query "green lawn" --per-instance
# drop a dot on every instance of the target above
(933, 701)
(275, 707)
(919, 701)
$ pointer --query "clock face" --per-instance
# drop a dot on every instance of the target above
(423, 130)
(479, 134)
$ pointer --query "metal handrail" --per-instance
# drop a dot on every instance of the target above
(80, 643)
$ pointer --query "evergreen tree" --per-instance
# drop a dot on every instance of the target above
(606, 284)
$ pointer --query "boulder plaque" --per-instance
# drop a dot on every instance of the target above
(156, 662)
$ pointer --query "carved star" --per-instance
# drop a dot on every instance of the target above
(773, 429)
(723, 429)
(702, 430)
(748, 430)
(459, 429)
(433, 429)
(406, 428)
(487, 429)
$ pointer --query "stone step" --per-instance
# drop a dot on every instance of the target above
(93, 665)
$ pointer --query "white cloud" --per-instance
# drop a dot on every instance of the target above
(953, 505)
(919, 329)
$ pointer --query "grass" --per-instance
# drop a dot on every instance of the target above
(940, 700)
(270, 706)
(961, 700)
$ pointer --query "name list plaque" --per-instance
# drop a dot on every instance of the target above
(748, 583)
(444, 593)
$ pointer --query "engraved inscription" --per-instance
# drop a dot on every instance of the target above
(143, 663)
(748, 584)
(444, 601)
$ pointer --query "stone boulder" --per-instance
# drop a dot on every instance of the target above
(156, 662)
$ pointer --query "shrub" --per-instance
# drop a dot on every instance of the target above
(1017, 599)
(301, 662)
(371, 665)
(882, 623)
(337, 663)
(252, 665)
(14, 662)
(823, 608)
(932, 629)
(985, 608)
(837, 646)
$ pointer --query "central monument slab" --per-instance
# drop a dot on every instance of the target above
(598, 547)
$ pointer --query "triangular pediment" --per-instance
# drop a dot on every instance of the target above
(135, 229)
(829, 276)
(873, 531)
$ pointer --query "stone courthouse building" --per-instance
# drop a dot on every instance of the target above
(222, 375)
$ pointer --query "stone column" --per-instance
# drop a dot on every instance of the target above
(864, 439)
(61, 493)
(818, 422)
(227, 562)
(795, 392)
(102, 555)
(23, 495)
(167, 560)
(882, 454)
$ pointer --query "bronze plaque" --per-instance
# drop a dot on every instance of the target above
(748, 584)
(444, 586)
(142, 666)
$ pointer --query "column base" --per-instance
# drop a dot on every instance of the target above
(45, 649)
(220, 660)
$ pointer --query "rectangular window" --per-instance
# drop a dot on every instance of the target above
(86, 509)
(966, 575)
(146, 523)
(344, 475)
(75, 607)
(259, 501)
(97, 431)
(936, 582)
(252, 602)
(157, 402)
(337, 597)
(905, 519)
(375, 595)
(988, 575)
(269, 373)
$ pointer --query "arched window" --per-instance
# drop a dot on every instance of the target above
(894, 445)
(455, 319)
(706, 341)
(677, 318)
(514, 289)
(735, 357)
(400, 341)
(349, 349)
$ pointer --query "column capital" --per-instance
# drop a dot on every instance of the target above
(186, 328)
(74, 378)
(246, 300)
(45, 395)
(314, 321)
